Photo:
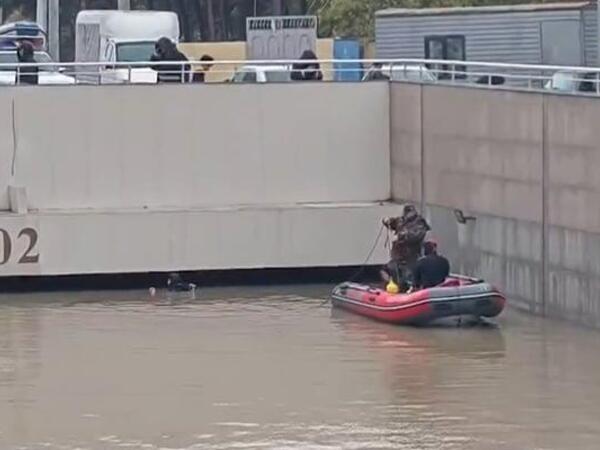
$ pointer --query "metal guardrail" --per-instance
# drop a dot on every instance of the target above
(522, 76)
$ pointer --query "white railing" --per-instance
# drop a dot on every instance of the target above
(522, 76)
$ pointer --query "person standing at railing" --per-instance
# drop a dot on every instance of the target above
(166, 50)
(375, 73)
(200, 76)
(309, 71)
(25, 55)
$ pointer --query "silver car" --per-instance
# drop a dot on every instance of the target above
(400, 72)
(569, 81)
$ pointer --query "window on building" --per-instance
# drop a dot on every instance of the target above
(447, 47)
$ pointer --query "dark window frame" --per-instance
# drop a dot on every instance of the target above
(443, 39)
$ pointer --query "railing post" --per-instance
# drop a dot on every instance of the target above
(597, 83)
(129, 74)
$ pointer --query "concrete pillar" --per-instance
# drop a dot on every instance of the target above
(54, 29)
(125, 5)
(42, 14)
(17, 196)
(47, 16)
(277, 7)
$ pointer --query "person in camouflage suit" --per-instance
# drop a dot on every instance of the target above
(409, 233)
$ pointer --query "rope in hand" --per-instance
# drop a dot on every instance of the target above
(364, 265)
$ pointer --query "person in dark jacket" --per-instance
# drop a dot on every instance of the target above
(309, 71)
(200, 76)
(376, 73)
(25, 54)
(410, 230)
(431, 270)
(166, 50)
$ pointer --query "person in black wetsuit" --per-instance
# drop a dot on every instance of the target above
(432, 269)
(176, 284)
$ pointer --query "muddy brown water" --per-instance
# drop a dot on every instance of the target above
(267, 368)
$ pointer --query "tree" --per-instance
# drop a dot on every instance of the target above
(15, 10)
(356, 18)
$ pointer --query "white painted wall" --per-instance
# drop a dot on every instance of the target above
(80, 242)
(196, 146)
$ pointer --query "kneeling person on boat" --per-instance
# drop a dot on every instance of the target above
(432, 269)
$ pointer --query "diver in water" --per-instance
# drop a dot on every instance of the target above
(176, 284)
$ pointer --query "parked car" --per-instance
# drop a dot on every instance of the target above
(263, 74)
(47, 74)
(568, 81)
(400, 72)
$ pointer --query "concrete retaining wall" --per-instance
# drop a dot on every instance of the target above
(156, 178)
(161, 240)
(523, 165)
(184, 146)
(573, 215)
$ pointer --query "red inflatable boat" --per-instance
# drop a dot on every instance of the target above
(457, 297)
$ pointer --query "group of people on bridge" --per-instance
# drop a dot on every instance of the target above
(166, 50)
(415, 262)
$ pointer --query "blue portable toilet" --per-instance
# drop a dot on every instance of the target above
(347, 48)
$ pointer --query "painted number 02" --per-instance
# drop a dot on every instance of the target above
(29, 256)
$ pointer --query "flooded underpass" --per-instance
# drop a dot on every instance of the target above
(275, 368)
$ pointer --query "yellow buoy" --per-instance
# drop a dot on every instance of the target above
(392, 288)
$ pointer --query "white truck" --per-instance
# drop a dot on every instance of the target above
(120, 37)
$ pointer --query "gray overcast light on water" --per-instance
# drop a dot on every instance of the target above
(267, 368)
